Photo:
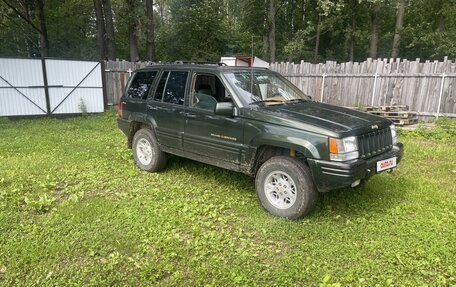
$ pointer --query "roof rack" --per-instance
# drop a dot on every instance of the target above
(199, 63)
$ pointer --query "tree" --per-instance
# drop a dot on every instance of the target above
(352, 29)
(150, 30)
(373, 46)
(398, 30)
(269, 34)
(197, 30)
(109, 30)
(105, 29)
(133, 29)
(430, 35)
(98, 6)
(26, 16)
(277, 30)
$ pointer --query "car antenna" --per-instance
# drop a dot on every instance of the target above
(251, 70)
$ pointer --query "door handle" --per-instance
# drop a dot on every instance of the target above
(190, 116)
(153, 108)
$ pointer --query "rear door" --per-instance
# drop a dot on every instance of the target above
(166, 107)
(134, 99)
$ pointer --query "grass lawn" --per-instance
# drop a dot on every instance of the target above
(75, 210)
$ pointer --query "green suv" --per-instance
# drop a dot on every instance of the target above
(254, 121)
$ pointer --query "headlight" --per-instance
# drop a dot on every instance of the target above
(343, 149)
(393, 133)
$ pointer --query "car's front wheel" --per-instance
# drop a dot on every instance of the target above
(285, 187)
(146, 152)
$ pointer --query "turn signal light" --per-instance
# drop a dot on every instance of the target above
(119, 110)
(333, 147)
(343, 149)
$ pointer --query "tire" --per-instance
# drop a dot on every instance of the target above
(285, 187)
(146, 152)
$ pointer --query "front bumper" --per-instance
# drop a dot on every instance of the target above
(330, 175)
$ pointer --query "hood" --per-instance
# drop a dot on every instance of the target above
(318, 117)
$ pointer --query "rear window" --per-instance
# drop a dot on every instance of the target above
(175, 88)
(141, 84)
(161, 86)
(171, 88)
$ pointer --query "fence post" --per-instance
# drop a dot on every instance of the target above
(440, 95)
(46, 86)
(375, 87)
(322, 87)
(103, 83)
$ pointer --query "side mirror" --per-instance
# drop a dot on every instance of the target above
(224, 109)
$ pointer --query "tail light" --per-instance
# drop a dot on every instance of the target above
(119, 110)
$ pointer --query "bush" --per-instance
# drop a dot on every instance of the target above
(444, 131)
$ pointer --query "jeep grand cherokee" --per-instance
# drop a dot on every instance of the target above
(254, 121)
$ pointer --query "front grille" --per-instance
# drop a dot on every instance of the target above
(374, 143)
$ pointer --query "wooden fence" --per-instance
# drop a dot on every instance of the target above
(426, 87)
(116, 76)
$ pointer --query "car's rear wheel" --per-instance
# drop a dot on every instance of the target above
(285, 187)
(146, 152)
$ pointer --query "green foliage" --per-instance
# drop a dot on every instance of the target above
(431, 34)
(207, 29)
(197, 31)
(71, 29)
(298, 48)
(42, 205)
(82, 107)
(92, 218)
(444, 131)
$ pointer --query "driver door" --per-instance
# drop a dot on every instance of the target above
(206, 133)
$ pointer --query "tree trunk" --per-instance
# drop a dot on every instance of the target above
(150, 30)
(272, 30)
(266, 50)
(28, 41)
(161, 10)
(44, 41)
(352, 31)
(374, 31)
(441, 23)
(109, 30)
(317, 40)
(133, 27)
(398, 30)
(133, 40)
(292, 16)
(100, 28)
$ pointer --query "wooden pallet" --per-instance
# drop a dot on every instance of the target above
(396, 108)
(396, 114)
(402, 122)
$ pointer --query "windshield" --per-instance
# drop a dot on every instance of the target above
(264, 87)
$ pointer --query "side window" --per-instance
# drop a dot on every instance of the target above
(141, 84)
(175, 88)
(208, 90)
(161, 86)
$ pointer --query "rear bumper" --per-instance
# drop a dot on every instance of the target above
(124, 125)
(330, 175)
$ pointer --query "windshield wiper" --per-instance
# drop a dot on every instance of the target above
(295, 101)
(267, 101)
